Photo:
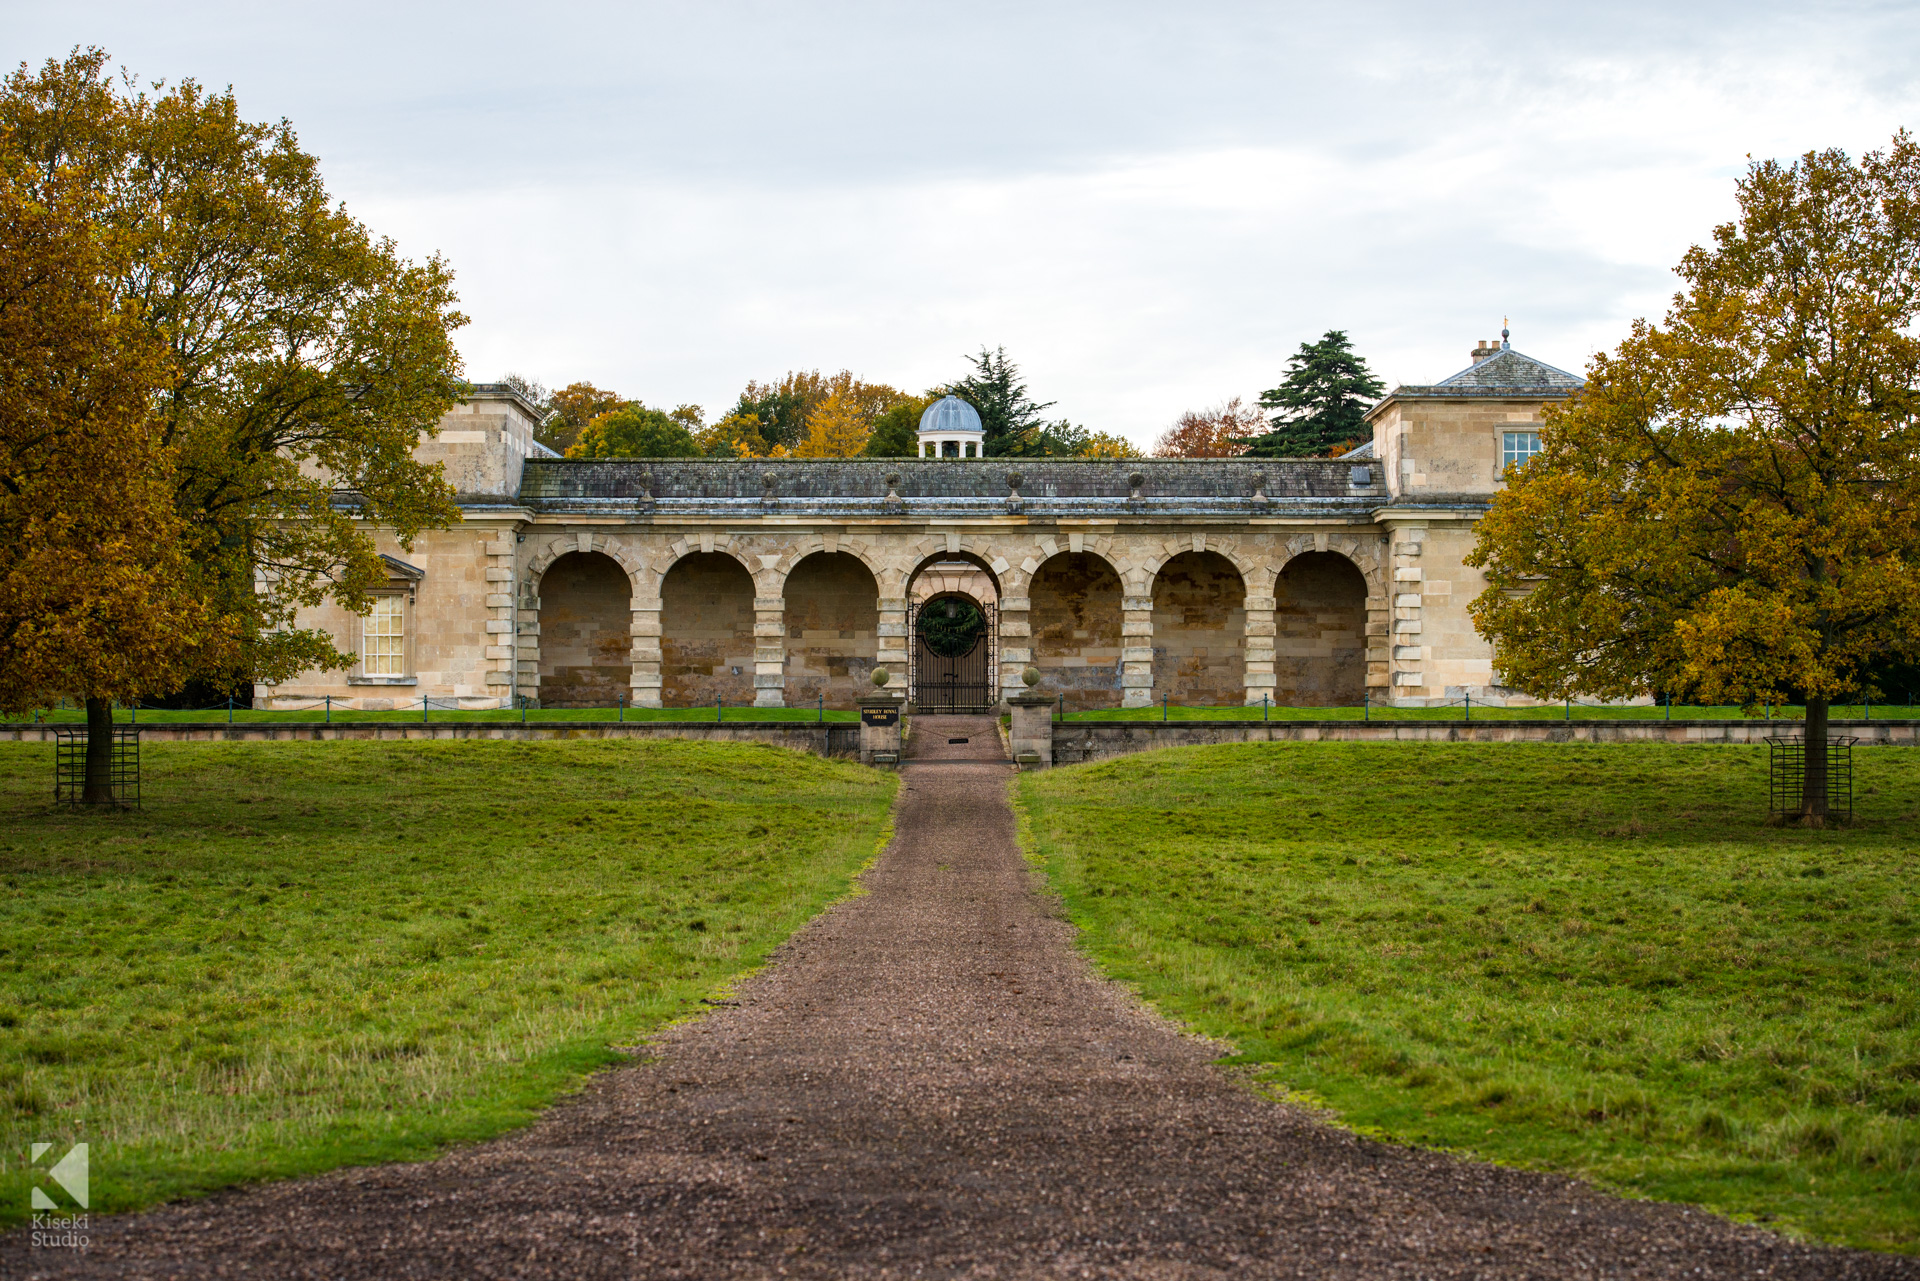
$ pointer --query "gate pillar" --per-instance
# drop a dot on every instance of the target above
(1136, 650)
(769, 651)
(1031, 734)
(1259, 651)
(1016, 644)
(879, 729)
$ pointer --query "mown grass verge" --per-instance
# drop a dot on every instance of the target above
(301, 956)
(1593, 959)
(1456, 711)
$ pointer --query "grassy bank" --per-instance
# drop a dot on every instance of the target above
(1590, 959)
(307, 955)
(1461, 710)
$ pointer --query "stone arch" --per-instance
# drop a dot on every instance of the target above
(1076, 619)
(706, 627)
(585, 543)
(1199, 629)
(832, 620)
(1320, 629)
(586, 647)
(858, 548)
(912, 584)
(1367, 555)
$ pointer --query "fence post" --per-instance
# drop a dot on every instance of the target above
(1263, 707)
(1669, 706)
(823, 708)
(1163, 709)
(133, 711)
(329, 709)
(621, 699)
(1869, 704)
(523, 710)
(1366, 708)
(1469, 703)
(424, 703)
(718, 715)
(229, 709)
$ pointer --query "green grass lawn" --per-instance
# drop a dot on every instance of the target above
(300, 956)
(1478, 711)
(1594, 959)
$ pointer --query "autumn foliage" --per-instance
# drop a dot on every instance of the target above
(1730, 509)
(1220, 432)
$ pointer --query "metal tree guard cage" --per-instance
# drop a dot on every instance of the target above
(123, 767)
(1787, 776)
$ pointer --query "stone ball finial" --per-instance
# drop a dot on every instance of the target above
(880, 678)
(1136, 479)
(1030, 677)
(893, 478)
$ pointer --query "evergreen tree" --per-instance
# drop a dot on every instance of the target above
(1012, 419)
(1320, 404)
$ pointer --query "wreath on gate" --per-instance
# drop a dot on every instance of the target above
(951, 627)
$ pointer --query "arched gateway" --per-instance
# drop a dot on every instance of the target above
(784, 582)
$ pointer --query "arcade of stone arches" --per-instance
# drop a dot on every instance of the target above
(1110, 621)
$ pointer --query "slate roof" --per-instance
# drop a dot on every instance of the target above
(1506, 370)
(858, 488)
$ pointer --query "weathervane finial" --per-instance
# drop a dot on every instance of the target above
(1504, 335)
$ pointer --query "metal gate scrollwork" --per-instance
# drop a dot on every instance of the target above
(952, 661)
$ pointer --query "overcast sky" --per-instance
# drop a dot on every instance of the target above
(1149, 205)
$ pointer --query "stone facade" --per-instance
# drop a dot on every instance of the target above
(1306, 582)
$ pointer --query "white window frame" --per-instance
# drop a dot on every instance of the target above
(395, 604)
(1517, 448)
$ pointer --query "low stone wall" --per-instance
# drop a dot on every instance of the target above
(1077, 741)
(837, 738)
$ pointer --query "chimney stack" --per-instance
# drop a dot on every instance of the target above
(1484, 350)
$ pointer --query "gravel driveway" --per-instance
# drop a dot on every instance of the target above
(930, 1082)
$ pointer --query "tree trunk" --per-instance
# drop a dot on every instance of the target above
(1813, 796)
(98, 789)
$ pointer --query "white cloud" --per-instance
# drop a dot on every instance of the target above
(1148, 207)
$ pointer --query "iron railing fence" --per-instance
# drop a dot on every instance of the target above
(439, 710)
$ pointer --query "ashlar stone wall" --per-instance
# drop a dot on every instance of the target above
(832, 617)
(586, 640)
(1199, 631)
(1320, 632)
(707, 641)
(1076, 618)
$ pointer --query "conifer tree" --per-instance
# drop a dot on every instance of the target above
(1318, 408)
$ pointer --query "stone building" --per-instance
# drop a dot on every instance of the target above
(784, 582)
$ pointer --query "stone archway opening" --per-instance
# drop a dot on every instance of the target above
(706, 632)
(1320, 632)
(832, 615)
(1200, 631)
(586, 634)
(1076, 600)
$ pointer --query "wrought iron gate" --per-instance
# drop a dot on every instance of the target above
(964, 681)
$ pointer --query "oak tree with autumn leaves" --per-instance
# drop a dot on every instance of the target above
(291, 362)
(1729, 510)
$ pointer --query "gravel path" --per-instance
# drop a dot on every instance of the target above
(929, 1082)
